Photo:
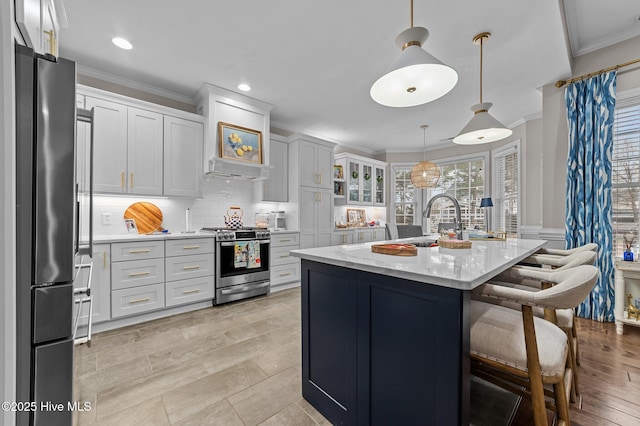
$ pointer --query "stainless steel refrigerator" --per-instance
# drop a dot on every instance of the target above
(46, 235)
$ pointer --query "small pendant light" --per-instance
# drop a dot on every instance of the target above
(482, 128)
(415, 77)
(425, 174)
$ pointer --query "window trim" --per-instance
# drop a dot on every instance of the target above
(392, 194)
(504, 149)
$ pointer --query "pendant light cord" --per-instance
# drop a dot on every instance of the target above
(481, 43)
(411, 14)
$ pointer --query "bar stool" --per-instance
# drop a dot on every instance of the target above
(505, 348)
(532, 279)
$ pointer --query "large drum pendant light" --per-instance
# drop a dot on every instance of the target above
(482, 128)
(425, 174)
(415, 77)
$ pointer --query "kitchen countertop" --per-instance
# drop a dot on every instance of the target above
(99, 239)
(462, 269)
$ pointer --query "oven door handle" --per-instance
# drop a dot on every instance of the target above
(231, 243)
(236, 289)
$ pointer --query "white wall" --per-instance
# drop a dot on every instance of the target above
(7, 211)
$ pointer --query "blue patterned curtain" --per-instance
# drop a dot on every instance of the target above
(590, 112)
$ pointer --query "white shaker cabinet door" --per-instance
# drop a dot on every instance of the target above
(324, 218)
(183, 151)
(276, 187)
(109, 145)
(324, 167)
(145, 146)
(308, 212)
(307, 165)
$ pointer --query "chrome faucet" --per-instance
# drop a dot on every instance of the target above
(456, 205)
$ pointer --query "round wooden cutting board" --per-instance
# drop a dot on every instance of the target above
(148, 216)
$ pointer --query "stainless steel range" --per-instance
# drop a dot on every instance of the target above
(242, 263)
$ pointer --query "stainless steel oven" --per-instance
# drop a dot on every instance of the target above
(242, 264)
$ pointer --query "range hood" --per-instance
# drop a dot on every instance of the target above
(233, 169)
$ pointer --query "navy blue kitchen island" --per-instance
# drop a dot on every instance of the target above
(385, 339)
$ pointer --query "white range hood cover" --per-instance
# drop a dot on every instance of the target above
(219, 167)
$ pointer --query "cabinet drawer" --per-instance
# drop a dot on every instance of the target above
(136, 273)
(136, 300)
(281, 256)
(184, 267)
(189, 291)
(137, 250)
(285, 273)
(189, 246)
(278, 240)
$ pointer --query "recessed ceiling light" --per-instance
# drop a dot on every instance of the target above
(244, 87)
(122, 43)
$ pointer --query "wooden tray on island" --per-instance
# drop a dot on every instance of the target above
(454, 244)
(395, 249)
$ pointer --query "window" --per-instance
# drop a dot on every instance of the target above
(625, 196)
(506, 184)
(463, 179)
(405, 202)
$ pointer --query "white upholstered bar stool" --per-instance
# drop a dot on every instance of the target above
(555, 258)
(523, 353)
(532, 279)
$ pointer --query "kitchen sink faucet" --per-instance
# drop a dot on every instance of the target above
(458, 218)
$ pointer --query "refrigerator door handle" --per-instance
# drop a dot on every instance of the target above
(87, 116)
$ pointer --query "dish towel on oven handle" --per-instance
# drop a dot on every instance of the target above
(246, 254)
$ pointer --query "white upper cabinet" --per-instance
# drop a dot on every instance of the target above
(277, 186)
(364, 180)
(109, 145)
(316, 165)
(183, 150)
(144, 152)
(153, 150)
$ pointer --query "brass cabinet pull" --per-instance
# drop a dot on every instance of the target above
(122, 180)
(139, 274)
(195, 290)
(144, 299)
(284, 255)
(285, 274)
(186, 268)
(139, 251)
(104, 259)
(320, 179)
(131, 180)
(190, 247)
(285, 241)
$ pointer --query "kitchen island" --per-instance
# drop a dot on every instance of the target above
(385, 339)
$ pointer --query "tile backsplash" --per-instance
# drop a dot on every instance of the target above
(218, 195)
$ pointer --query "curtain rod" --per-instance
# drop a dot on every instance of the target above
(561, 83)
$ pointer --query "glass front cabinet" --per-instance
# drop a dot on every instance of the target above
(365, 180)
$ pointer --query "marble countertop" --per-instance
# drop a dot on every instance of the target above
(99, 239)
(462, 269)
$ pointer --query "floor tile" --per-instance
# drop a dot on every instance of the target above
(220, 414)
(192, 397)
(293, 415)
(150, 412)
(265, 399)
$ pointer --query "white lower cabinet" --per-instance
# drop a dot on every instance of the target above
(137, 277)
(342, 237)
(137, 300)
(285, 269)
(190, 270)
(189, 291)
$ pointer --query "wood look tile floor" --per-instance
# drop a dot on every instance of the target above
(240, 364)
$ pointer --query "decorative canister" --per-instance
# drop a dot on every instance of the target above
(233, 219)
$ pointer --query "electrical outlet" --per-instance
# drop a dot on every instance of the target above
(106, 218)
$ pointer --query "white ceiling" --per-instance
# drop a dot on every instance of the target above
(316, 61)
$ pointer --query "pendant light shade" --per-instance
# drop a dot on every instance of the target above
(415, 77)
(425, 174)
(483, 127)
